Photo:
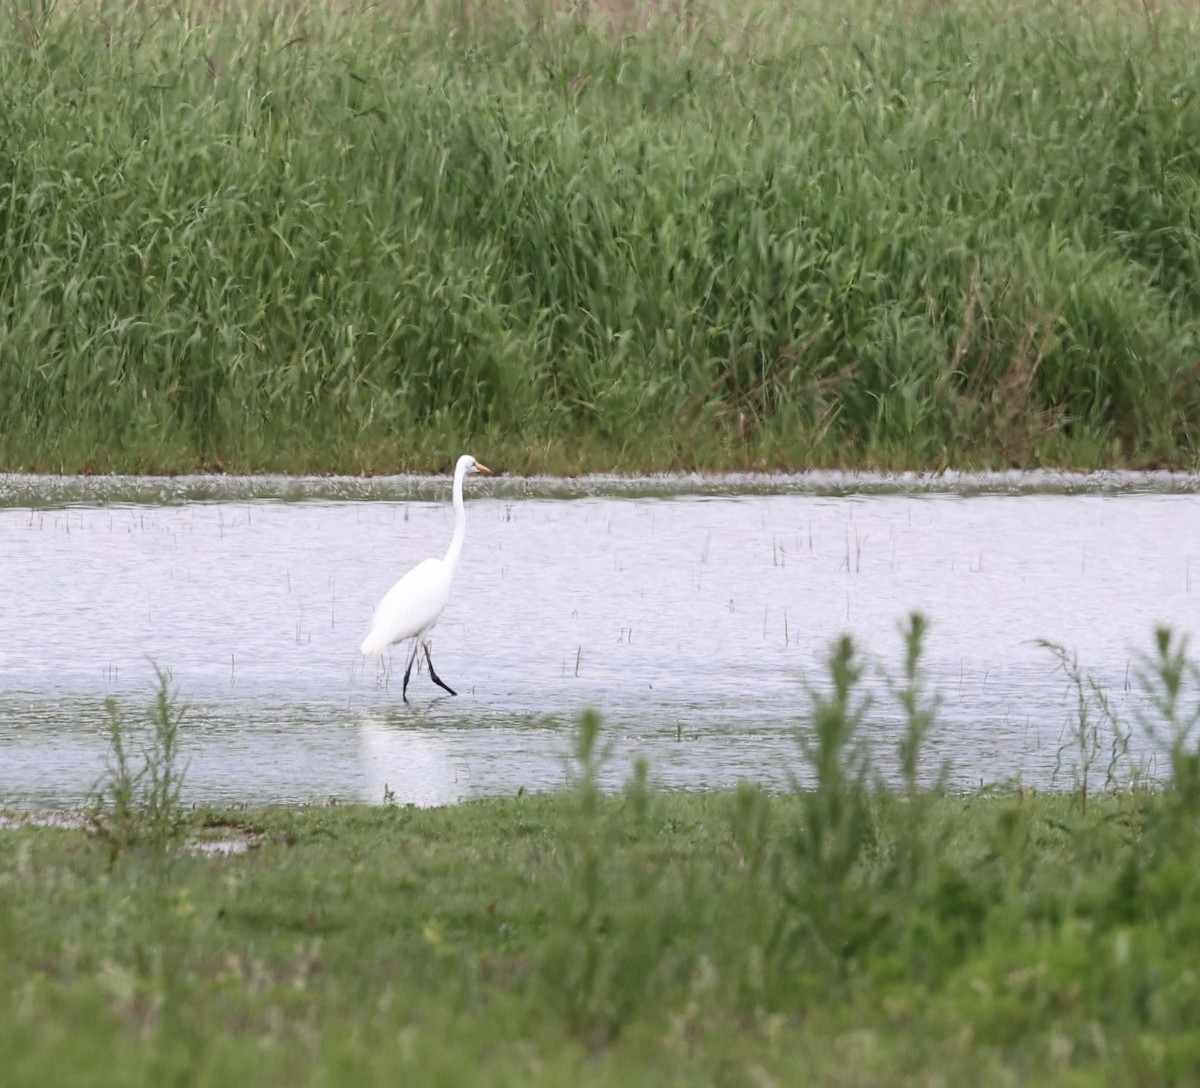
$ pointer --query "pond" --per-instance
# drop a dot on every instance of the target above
(696, 615)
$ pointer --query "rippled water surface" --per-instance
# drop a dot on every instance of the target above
(691, 613)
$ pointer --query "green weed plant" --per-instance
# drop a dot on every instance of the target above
(137, 803)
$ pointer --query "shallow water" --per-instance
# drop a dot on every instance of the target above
(690, 612)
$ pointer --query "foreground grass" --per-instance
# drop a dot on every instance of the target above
(851, 932)
(648, 940)
(608, 236)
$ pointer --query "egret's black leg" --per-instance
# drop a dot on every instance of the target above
(412, 656)
(434, 676)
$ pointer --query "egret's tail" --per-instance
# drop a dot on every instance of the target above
(373, 645)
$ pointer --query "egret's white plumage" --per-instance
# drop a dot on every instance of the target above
(414, 604)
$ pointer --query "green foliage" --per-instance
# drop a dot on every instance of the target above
(1170, 685)
(137, 803)
(602, 960)
(1170, 681)
(851, 931)
(914, 847)
(640, 236)
(823, 874)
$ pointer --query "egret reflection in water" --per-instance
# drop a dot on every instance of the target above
(411, 765)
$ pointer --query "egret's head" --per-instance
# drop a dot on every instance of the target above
(467, 463)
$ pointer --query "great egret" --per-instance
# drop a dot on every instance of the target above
(414, 604)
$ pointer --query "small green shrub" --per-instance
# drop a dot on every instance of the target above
(137, 802)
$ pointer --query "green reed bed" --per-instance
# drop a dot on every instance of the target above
(604, 235)
(848, 933)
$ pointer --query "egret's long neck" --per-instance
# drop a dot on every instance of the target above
(460, 522)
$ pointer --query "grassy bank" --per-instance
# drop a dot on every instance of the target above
(848, 933)
(640, 939)
(697, 235)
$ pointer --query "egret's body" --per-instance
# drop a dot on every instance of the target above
(415, 603)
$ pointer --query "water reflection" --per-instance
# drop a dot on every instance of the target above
(692, 622)
(411, 765)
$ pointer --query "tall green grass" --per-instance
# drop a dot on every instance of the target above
(604, 235)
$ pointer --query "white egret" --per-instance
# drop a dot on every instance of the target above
(414, 604)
